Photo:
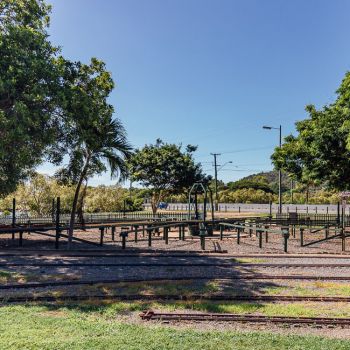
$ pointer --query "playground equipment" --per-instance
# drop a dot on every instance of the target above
(200, 188)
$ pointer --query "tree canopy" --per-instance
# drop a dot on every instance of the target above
(165, 169)
(93, 139)
(30, 89)
(320, 153)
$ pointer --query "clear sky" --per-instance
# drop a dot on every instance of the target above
(211, 73)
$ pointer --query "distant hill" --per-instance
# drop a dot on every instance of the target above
(269, 178)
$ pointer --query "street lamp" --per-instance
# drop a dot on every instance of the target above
(230, 162)
(279, 170)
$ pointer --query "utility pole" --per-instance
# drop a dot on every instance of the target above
(216, 180)
(279, 170)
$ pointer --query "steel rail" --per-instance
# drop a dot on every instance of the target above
(151, 315)
(166, 297)
(182, 264)
(193, 278)
(141, 252)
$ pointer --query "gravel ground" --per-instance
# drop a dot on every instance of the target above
(249, 245)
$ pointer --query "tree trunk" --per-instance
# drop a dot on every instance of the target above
(154, 203)
(75, 202)
(80, 204)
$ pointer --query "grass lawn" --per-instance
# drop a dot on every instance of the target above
(49, 327)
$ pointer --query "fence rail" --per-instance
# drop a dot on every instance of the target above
(93, 218)
(263, 208)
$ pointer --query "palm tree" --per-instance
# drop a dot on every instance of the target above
(93, 140)
(106, 146)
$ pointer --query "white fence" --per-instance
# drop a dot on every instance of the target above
(265, 208)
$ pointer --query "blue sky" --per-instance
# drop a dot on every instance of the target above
(210, 73)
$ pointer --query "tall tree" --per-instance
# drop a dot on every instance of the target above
(320, 153)
(30, 89)
(94, 140)
(165, 169)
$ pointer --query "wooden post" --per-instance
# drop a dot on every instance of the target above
(260, 238)
(285, 232)
(166, 234)
(221, 232)
(102, 231)
(13, 216)
(20, 243)
(113, 233)
(58, 210)
(301, 237)
(149, 231)
(136, 229)
(238, 235)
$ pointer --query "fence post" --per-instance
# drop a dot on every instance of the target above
(260, 238)
(13, 216)
(123, 235)
(301, 237)
(20, 242)
(238, 235)
(166, 235)
(221, 232)
(113, 233)
(58, 209)
(285, 238)
(102, 230)
(266, 234)
(149, 231)
(136, 229)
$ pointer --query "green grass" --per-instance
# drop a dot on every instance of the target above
(306, 309)
(43, 328)
(316, 288)
(158, 288)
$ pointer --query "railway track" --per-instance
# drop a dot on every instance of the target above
(131, 252)
(177, 297)
(193, 278)
(323, 321)
(190, 264)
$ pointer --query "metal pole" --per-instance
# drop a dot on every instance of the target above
(58, 209)
(280, 176)
(13, 212)
(216, 180)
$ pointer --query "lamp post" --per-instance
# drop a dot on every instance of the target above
(279, 170)
(216, 178)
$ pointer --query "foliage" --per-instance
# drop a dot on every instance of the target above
(30, 90)
(263, 179)
(35, 196)
(246, 195)
(320, 153)
(93, 138)
(256, 185)
(165, 169)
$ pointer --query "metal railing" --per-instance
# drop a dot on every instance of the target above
(91, 218)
